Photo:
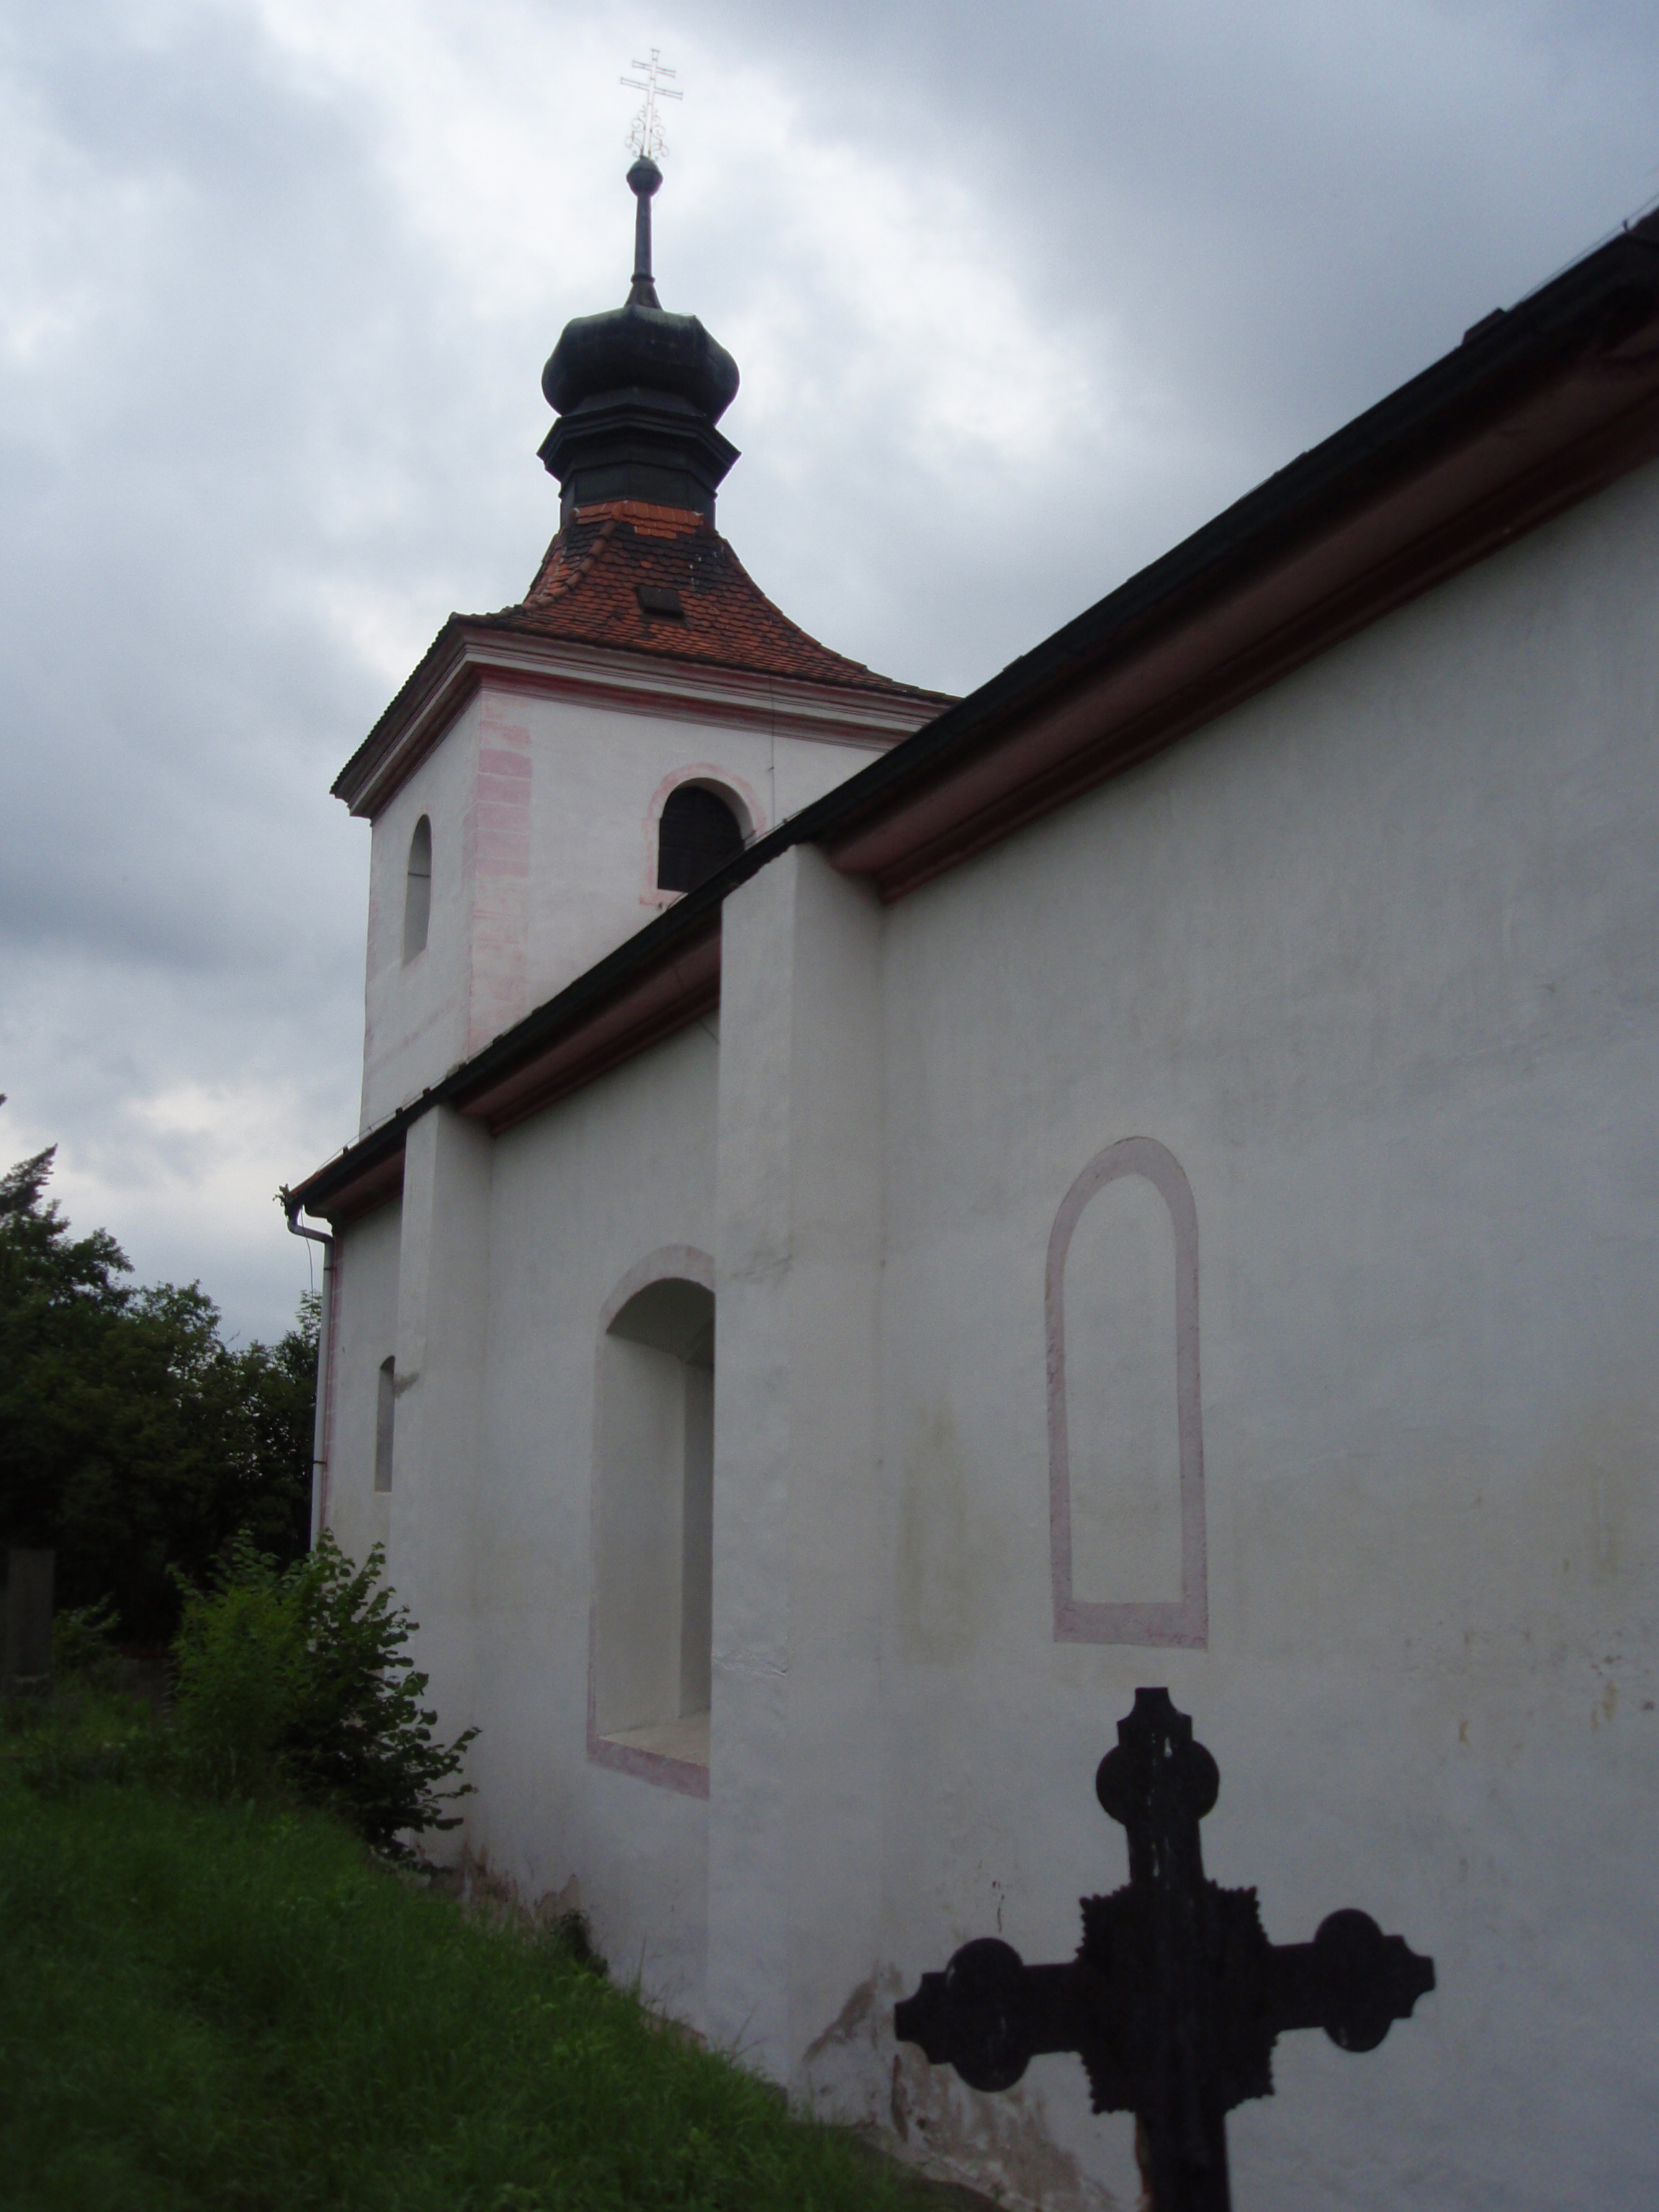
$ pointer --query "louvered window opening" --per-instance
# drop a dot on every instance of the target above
(698, 834)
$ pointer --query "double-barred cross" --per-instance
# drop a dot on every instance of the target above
(1176, 1998)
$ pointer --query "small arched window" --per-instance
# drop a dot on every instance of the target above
(417, 892)
(698, 833)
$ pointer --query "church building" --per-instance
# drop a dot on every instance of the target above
(885, 1229)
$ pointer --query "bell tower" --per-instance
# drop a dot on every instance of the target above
(555, 774)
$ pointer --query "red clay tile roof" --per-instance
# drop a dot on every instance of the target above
(613, 576)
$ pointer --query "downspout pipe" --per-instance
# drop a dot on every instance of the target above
(290, 1206)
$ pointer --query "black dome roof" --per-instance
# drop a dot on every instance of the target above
(639, 347)
(638, 392)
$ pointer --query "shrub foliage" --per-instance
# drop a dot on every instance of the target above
(295, 1679)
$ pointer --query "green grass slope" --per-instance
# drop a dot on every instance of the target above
(210, 2006)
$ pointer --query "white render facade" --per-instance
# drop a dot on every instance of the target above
(1354, 1446)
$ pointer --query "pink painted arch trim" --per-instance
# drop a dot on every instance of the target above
(1188, 1622)
(738, 793)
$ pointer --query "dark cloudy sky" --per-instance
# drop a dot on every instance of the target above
(1021, 293)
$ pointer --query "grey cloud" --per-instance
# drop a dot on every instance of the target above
(251, 397)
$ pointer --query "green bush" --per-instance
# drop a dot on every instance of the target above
(294, 1680)
(83, 1653)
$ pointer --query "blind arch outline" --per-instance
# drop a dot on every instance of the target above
(1185, 1623)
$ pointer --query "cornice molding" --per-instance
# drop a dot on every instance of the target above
(466, 655)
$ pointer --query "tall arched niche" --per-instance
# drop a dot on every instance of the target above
(1126, 1444)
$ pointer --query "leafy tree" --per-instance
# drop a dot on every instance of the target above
(133, 1440)
(296, 1678)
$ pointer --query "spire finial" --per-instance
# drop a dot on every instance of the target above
(643, 180)
(638, 391)
(645, 133)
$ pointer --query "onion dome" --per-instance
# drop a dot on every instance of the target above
(638, 392)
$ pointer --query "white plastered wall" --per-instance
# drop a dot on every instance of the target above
(797, 1798)
(415, 1011)
(365, 1327)
(1374, 958)
(445, 1293)
(1378, 958)
(577, 1200)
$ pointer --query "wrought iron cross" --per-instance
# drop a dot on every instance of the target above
(1176, 1998)
(645, 133)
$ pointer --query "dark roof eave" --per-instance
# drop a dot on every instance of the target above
(442, 662)
(1519, 357)
(499, 1084)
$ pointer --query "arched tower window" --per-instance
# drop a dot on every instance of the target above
(698, 833)
(417, 893)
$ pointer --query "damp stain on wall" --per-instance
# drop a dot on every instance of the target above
(941, 1571)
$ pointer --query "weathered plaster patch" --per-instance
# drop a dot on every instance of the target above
(1002, 2146)
(497, 840)
(481, 1888)
(854, 2023)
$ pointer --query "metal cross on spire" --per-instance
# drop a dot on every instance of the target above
(645, 133)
